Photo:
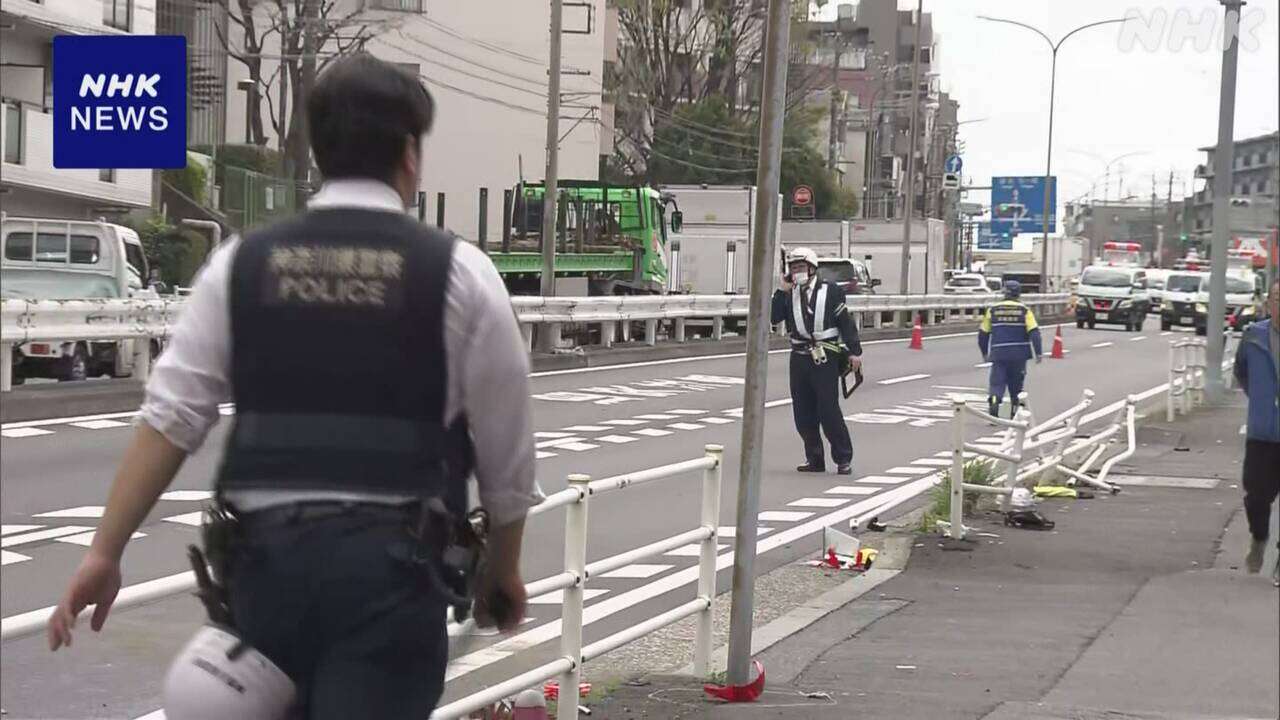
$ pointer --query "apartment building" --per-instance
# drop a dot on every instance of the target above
(29, 184)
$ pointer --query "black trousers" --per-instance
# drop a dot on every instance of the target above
(815, 402)
(1261, 484)
(356, 630)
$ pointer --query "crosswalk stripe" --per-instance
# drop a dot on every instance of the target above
(685, 426)
(691, 550)
(638, 571)
(852, 490)
(24, 432)
(783, 516)
(651, 432)
(9, 558)
(910, 470)
(49, 534)
(99, 424)
(818, 502)
(881, 480)
(615, 439)
(84, 511)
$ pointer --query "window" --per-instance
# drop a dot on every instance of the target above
(18, 247)
(136, 260)
(118, 14)
(107, 176)
(51, 248)
(1245, 158)
(13, 133)
(84, 250)
(1244, 188)
(399, 5)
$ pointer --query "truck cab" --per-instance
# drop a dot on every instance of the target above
(1112, 294)
(51, 259)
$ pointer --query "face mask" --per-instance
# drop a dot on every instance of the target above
(801, 278)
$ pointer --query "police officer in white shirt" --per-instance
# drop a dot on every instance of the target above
(375, 364)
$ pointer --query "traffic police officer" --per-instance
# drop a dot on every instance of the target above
(1008, 337)
(824, 339)
(374, 363)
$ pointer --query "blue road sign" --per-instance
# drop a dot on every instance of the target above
(1017, 205)
(988, 240)
(954, 164)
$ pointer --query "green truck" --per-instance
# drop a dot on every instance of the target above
(614, 236)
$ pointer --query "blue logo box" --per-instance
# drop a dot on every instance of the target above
(119, 101)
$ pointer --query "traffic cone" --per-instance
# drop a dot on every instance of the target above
(917, 336)
(1057, 353)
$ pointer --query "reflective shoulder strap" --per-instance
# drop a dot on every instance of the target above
(820, 331)
(797, 311)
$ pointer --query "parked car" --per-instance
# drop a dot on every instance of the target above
(968, 283)
(852, 275)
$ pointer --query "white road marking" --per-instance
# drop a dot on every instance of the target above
(685, 426)
(551, 435)
(651, 432)
(1136, 339)
(949, 453)
(68, 420)
(713, 420)
(656, 417)
(187, 495)
(615, 439)
(84, 511)
(961, 387)
(99, 424)
(589, 428)
(688, 412)
(881, 480)
(783, 515)
(1102, 344)
(49, 534)
(192, 518)
(623, 423)
(852, 490)
(22, 432)
(540, 454)
(639, 571)
(691, 550)
(9, 558)
(904, 378)
(11, 529)
(558, 443)
(556, 597)
(818, 502)
(933, 462)
(983, 365)
(576, 446)
(1166, 332)
(86, 539)
(730, 531)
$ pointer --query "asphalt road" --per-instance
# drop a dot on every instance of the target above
(599, 421)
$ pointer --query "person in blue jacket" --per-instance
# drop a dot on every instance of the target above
(1257, 370)
(1008, 337)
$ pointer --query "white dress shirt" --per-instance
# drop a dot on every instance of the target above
(485, 359)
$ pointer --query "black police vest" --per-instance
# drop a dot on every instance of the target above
(337, 359)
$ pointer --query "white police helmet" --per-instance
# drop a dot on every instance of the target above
(803, 254)
(210, 681)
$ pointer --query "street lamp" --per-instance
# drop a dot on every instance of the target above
(1106, 176)
(250, 89)
(1048, 163)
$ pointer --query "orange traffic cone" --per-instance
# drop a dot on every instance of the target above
(1057, 353)
(917, 336)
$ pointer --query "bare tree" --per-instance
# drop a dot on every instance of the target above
(284, 44)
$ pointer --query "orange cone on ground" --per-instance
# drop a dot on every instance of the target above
(917, 336)
(1057, 353)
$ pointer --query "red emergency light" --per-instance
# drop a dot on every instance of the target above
(1125, 247)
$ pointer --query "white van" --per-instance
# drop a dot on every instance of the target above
(48, 259)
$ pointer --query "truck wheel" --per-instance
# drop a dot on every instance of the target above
(75, 367)
(1165, 324)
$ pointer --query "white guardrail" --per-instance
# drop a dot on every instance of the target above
(1187, 363)
(1025, 454)
(24, 321)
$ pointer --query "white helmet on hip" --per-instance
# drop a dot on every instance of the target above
(803, 254)
(215, 677)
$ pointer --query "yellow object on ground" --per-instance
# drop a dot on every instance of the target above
(1055, 491)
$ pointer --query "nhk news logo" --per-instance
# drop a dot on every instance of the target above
(119, 101)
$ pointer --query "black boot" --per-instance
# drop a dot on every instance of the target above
(844, 469)
(811, 468)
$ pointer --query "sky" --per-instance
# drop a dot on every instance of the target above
(1110, 100)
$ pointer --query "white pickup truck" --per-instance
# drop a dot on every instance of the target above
(49, 259)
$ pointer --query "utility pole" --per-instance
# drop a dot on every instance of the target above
(1171, 215)
(546, 341)
(310, 25)
(768, 178)
(1223, 157)
(911, 154)
(833, 141)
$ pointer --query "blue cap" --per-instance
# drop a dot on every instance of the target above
(1012, 288)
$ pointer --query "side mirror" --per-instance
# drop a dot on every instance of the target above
(876, 282)
(677, 221)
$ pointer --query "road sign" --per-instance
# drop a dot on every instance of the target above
(988, 240)
(802, 196)
(954, 164)
(1017, 205)
(951, 181)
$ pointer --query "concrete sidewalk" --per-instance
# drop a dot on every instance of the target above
(1133, 607)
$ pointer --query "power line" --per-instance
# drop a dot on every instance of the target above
(533, 81)
(483, 44)
(461, 71)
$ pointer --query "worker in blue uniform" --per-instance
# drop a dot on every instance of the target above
(1008, 337)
